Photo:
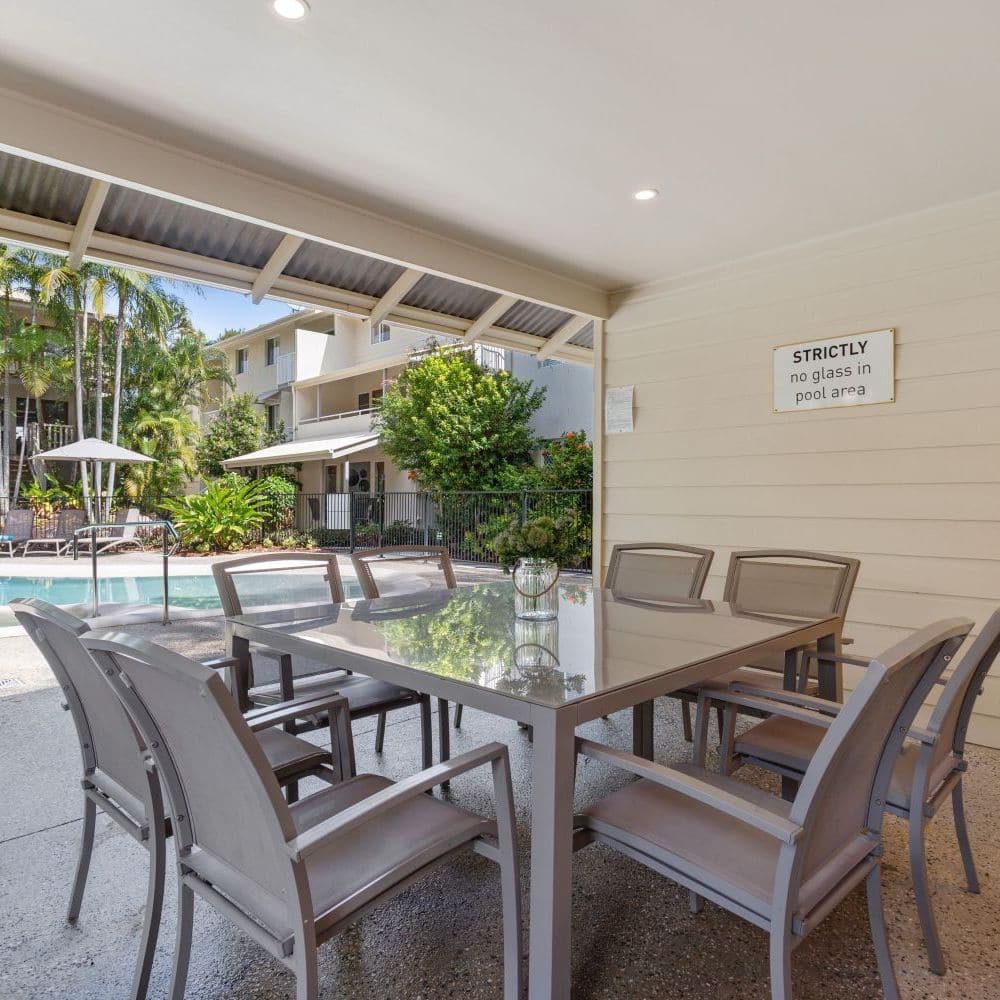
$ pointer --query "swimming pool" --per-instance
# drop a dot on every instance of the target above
(193, 592)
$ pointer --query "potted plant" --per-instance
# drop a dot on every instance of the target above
(534, 551)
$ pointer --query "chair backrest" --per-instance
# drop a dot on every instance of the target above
(19, 525)
(70, 518)
(107, 739)
(658, 571)
(842, 793)
(276, 579)
(791, 581)
(367, 562)
(224, 798)
(950, 718)
(129, 522)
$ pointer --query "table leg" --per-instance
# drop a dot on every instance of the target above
(642, 730)
(551, 856)
(831, 677)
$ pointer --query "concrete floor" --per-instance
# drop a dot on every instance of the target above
(633, 934)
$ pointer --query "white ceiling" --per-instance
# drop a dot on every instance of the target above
(523, 126)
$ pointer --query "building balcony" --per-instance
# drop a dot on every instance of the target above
(348, 422)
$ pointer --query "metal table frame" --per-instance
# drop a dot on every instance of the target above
(554, 754)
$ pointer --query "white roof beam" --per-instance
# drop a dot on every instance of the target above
(563, 335)
(488, 318)
(92, 205)
(400, 288)
(284, 252)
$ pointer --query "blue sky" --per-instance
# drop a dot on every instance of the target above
(214, 309)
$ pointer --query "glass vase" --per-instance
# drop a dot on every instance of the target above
(536, 589)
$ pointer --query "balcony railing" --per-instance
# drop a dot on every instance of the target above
(337, 416)
(285, 368)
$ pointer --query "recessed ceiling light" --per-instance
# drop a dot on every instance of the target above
(291, 10)
(645, 194)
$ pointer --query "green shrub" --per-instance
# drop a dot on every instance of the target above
(221, 518)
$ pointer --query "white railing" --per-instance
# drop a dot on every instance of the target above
(337, 416)
(285, 368)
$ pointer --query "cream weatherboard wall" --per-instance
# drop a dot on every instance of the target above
(912, 487)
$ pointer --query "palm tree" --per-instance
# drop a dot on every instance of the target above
(9, 275)
(143, 302)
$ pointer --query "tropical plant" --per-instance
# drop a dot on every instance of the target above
(454, 424)
(220, 519)
(238, 429)
(278, 499)
(569, 463)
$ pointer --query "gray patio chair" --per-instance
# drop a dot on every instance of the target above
(931, 766)
(61, 539)
(783, 866)
(248, 583)
(366, 564)
(294, 876)
(781, 582)
(658, 571)
(18, 528)
(115, 538)
(115, 779)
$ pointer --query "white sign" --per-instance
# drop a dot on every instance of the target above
(618, 403)
(841, 371)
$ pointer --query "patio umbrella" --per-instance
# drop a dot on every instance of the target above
(97, 451)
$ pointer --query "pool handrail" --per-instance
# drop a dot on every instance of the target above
(168, 530)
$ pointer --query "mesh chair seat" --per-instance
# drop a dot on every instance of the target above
(698, 838)
(363, 694)
(790, 744)
(410, 837)
(288, 755)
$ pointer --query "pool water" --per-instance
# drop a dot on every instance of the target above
(194, 592)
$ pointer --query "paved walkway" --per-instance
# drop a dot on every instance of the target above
(633, 934)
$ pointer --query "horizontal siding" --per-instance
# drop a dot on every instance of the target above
(912, 488)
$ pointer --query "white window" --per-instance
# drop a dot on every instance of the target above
(271, 351)
(242, 361)
(381, 333)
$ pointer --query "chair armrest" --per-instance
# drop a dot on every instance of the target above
(822, 705)
(274, 715)
(767, 706)
(322, 833)
(857, 661)
(220, 663)
(923, 736)
(701, 791)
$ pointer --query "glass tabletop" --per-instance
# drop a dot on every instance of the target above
(597, 643)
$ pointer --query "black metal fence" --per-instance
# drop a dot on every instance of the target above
(465, 523)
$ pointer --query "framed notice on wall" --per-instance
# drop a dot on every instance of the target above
(842, 371)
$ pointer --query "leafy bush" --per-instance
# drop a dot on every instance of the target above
(570, 463)
(221, 518)
(55, 496)
(238, 429)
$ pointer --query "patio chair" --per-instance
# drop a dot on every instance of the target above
(115, 538)
(365, 564)
(784, 582)
(61, 539)
(247, 584)
(783, 866)
(115, 779)
(658, 571)
(931, 766)
(18, 528)
(294, 876)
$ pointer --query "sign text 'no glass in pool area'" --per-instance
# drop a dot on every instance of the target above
(841, 371)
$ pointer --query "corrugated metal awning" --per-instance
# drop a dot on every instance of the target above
(51, 206)
(326, 449)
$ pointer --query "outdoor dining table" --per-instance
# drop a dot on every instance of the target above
(601, 654)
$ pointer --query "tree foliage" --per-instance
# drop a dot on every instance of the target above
(455, 425)
(238, 428)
